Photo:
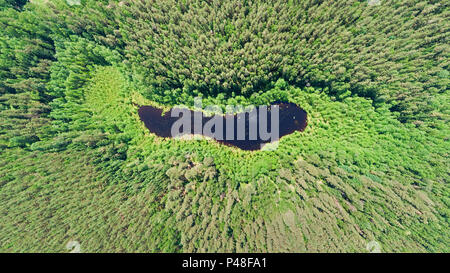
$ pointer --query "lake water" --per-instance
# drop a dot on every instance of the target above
(291, 118)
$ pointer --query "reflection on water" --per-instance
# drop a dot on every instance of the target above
(291, 118)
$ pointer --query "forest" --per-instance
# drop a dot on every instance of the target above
(78, 164)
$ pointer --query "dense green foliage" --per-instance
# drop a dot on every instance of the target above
(396, 52)
(77, 164)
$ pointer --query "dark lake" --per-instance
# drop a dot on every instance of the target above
(291, 118)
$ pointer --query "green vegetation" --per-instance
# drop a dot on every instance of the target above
(77, 164)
